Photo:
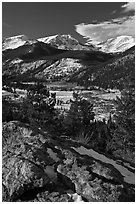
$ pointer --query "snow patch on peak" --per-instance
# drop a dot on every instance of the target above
(47, 39)
(14, 42)
(51, 38)
(23, 37)
(118, 44)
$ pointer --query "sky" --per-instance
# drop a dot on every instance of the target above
(86, 21)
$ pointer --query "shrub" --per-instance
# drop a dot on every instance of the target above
(84, 137)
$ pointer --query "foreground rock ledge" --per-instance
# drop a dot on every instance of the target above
(37, 167)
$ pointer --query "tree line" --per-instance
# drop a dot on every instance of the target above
(114, 137)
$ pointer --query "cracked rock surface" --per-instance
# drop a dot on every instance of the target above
(39, 168)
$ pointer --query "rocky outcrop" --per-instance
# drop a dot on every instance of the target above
(38, 167)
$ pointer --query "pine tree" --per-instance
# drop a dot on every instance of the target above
(124, 135)
(79, 115)
(38, 105)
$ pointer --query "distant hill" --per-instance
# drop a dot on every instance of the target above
(111, 74)
(62, 57)
(41, 61)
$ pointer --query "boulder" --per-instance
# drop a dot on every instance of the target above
(40, 168)
(25, 160)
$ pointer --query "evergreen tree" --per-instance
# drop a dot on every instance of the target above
(79, 115)
(124, 135)
(38, 106)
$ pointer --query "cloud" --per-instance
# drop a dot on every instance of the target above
(126, 8)
(130, 6)
(103, 31)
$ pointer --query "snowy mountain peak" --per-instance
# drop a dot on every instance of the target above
(118, 44)
(49, 39)
(14, 42)
(63, 41)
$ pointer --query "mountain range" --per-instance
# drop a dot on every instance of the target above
(119, 44)
(62, 57)
(67, 42)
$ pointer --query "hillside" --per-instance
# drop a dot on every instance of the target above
(36, 59)
(62, 57)
(111, 74)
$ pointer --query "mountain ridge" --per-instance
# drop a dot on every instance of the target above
(119, 44)
(14, 42)
(67, 42)
(39, 60)
(60, 41)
